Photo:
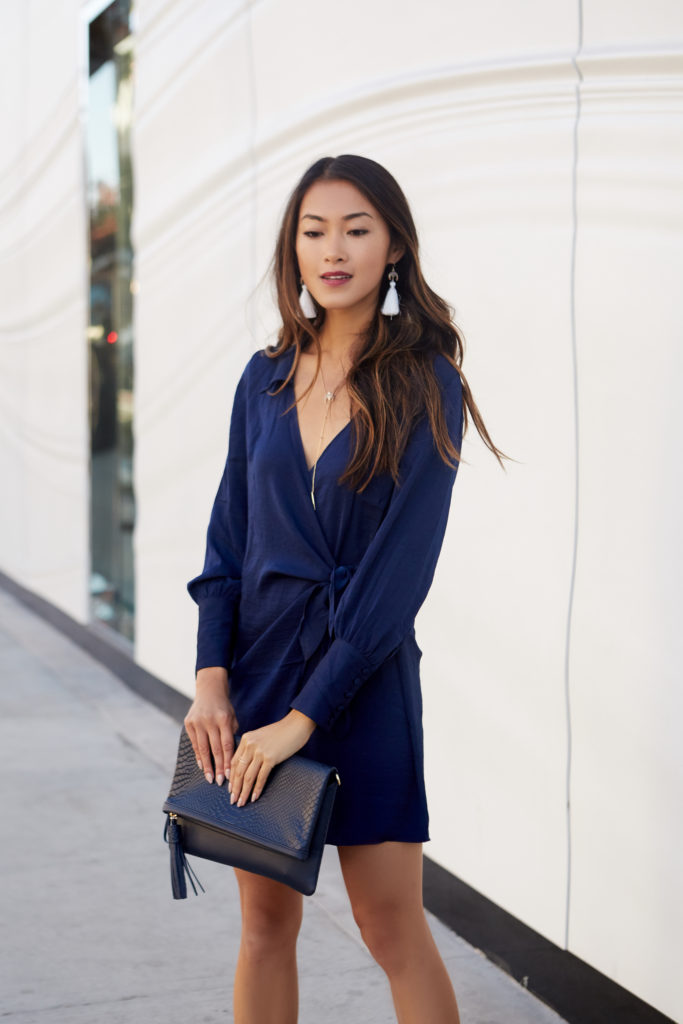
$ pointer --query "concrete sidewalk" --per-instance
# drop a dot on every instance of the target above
(89, 930)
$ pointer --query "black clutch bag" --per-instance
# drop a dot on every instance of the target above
(281, 835)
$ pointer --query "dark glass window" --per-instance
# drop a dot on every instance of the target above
(110, 331)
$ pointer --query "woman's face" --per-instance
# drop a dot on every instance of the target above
(343, 247)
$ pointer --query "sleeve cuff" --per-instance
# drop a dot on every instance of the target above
(215, 632)
(332, 684)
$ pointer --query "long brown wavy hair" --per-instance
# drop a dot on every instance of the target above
(392, 381)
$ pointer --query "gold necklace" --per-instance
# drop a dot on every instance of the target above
(329, 399)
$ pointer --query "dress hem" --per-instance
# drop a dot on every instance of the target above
(376, 842)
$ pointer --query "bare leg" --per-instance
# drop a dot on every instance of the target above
(384, 883)
(266, 986)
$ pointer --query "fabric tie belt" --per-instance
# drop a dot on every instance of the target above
(317, 619)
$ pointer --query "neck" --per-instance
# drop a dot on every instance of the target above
(341, 332)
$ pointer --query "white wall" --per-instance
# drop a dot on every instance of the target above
(627, 648)
(540, 147)
(43, 307)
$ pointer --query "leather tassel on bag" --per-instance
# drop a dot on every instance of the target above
(179, 863)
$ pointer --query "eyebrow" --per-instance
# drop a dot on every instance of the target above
(348, 216)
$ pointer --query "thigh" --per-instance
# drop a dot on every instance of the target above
(383, 878)
(267, 903)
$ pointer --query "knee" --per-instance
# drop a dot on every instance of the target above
(388, 934)
(269, 931)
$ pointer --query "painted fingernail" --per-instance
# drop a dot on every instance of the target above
(241, 802)
(220, 779)
(232, 798)
(208, 776)
(253, 797)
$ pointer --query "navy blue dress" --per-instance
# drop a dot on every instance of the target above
(314, 609)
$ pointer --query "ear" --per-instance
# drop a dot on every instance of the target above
(396, 252)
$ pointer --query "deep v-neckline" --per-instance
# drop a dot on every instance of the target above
(300, 436)
(297, 424)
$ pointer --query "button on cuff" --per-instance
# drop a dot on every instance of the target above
(333, 683)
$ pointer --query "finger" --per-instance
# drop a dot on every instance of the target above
(261, 780)
(235, 728)
(192, 733)
(217, 752)
(227, 747)
(205, 754)
(250, 777)
(238, 765)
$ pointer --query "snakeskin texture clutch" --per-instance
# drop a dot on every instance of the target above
(280, 835)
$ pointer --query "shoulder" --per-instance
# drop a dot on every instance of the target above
(264, 369)
(450, 385)
(447, 375)
(422, 441)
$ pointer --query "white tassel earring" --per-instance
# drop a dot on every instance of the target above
(390, 306)
(306, 302)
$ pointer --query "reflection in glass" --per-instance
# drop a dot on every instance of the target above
(110, 332)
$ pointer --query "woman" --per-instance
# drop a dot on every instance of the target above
(322, 545)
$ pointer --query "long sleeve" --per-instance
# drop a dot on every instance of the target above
(217, 589)
(378, 607)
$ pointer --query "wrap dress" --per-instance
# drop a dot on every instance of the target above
(314, 608)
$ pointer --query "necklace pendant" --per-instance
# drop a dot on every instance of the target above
(329, 396)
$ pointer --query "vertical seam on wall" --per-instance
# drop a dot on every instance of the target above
(572, 316)
(253, 169)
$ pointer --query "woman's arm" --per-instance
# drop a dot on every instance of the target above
(217, 588)
(378, 607)
(210, 721)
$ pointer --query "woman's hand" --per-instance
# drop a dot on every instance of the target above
(211, 723)
(259, 751)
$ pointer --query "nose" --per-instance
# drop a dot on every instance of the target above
(335, 249)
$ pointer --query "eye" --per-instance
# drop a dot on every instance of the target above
(358, 231)
(312, 234)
